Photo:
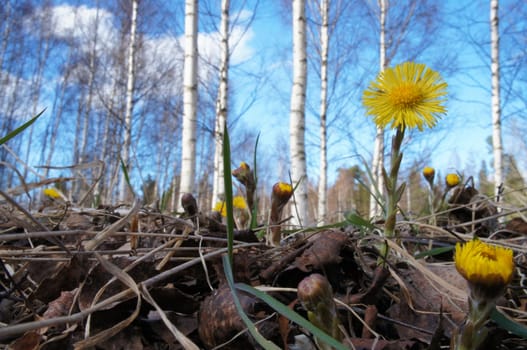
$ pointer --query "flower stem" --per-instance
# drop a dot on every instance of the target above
(473, 332)
(393, 192)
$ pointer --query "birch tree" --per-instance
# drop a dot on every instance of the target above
(495, 96)
(324, 49)
(129, 109)
(221, 105)
(377, 182)
(297, 112)
(190, 98)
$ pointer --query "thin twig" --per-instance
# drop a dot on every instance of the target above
(12, 330)
(33, 220)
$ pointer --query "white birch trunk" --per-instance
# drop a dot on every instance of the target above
(378, 148)
(218, 191)
(190, 98)
(297, 113)
(496, 110)
(324, 48)
(125, 155)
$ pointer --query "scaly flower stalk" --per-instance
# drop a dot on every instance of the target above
(282, 192)
(429, 175)
(245, 175)
(409, 95)
(488, 270)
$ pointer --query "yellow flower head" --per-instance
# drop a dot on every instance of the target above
(221, 208)
(429, 173)
(282, 192)
(408, 95)
(52, 193)
(238, 202)
(487, 268)
(283, 189)
(452, 180)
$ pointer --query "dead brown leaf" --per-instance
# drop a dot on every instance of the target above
(29, 341)
(426, 300)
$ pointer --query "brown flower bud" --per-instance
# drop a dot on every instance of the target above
(245, 175)
(316, 295)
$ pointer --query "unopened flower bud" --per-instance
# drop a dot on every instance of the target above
(316, 295)
(189, 204)
(429, 173)
(452, 180)
(245, 175)
(282, 192)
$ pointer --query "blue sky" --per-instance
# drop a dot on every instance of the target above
(464, 130)
(262, 69)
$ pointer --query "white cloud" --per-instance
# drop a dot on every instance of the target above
(80, 22)
(239, 44)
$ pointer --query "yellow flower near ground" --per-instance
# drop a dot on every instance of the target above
(486, 267)
(452, 180)
(283, 189)
(238, 202)
(429, 173)
(221, 208)
(408, 95)
(52, 193)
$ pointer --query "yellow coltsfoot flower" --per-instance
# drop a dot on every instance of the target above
(429, 173)
(452, 180)
(487, 268)
(238, 202)
(408, 95)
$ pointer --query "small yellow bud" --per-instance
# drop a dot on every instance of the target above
(452, 180)
(429, 173)
(52, 193)
(283, 190)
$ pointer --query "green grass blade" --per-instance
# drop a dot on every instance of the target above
(292, 315)
(227, 182)
(126, 176)
(359, 221)
(506, 323)
(435, 251)
(266, 344)
(20, 128)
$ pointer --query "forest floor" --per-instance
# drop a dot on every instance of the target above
(134, 278)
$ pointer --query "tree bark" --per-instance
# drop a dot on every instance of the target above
(378, 148)
(221, 105)
(324, 48)
(496, 109)
(125, 155)
(190, 97)
(297, 113)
